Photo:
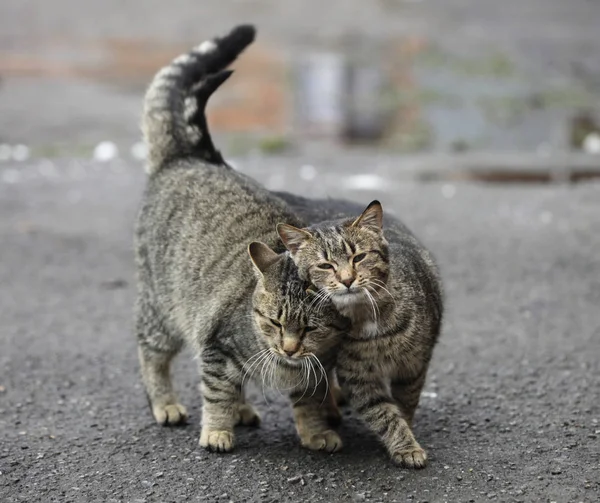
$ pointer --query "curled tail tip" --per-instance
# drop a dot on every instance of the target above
(244, 33)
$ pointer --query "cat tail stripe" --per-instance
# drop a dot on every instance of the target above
(164, 124)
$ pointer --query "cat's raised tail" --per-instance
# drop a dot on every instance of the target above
(195, 75)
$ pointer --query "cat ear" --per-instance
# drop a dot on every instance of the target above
(292, 237)
(262, 256)
(372, 217)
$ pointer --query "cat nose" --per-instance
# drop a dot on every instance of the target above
(290, 347)
(347, 282)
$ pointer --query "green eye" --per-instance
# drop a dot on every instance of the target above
(275, 322)
(325, 266)
(358, 258)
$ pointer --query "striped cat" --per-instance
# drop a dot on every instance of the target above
(388, 284)
(242, 317)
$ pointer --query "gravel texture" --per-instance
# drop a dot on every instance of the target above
(510, 411)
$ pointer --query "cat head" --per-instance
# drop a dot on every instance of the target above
(348, 260)
(295, 322)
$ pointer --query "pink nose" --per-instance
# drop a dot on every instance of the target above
(347, 282)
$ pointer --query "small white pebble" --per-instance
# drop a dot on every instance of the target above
(105, 151)
(139, 151)
(308, 172)
(5, 152)
(591, 144)
(20, 153)
(365, 182)
(448, 191)
(429, 394)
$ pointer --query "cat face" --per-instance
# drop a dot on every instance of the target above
(349, 261)
(294, 322)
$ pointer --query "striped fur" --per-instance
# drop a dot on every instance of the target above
(164, 125)
(387, 283)
(243, 317)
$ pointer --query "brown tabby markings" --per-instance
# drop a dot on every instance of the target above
(243, 319)
(388, 285)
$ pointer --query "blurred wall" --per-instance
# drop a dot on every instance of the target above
(456, 74)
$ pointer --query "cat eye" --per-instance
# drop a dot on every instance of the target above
(325, 266)
(309, 329)
(275, 322)
(358, 258)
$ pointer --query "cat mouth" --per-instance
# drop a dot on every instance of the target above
(348, 294)
(295, 361)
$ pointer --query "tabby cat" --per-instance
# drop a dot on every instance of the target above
(388, 284)
(197, 286)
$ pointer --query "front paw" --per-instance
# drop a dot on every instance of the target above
(170, 415)
(247, 416)
(216, 440)
(413, 457)
(328, 441)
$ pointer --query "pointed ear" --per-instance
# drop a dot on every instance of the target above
(292, 237)
(372, 217)
(262, 256)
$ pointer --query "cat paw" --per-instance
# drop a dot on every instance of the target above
(170, 414)
(216, 440)
(414, 457)
(248, 416)
(328, 441)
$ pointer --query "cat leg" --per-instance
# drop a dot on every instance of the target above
(156, 350)
(370, 397)
(311, 416)
(407, 393)
(336, 390)
(333, 400)
(221, 387)
(247, 414)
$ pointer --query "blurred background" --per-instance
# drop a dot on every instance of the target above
(360, 99)
(500, 84)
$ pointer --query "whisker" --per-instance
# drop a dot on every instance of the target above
(304, 368)
(372, 301)
(324, 374)
(262, 373)
(318, 296)
(256, 360)
(378, 283)
(312, 367)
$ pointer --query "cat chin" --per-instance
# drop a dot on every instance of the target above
(347, 299)
(290, 362)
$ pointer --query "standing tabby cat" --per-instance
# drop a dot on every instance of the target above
(387, 283)
(197, 286)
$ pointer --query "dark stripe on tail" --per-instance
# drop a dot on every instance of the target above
(164, 123)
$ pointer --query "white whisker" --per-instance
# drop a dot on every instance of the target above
(255, 359)
(324, 375)
(373, 303)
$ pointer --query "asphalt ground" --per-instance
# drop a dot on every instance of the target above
(510, 410)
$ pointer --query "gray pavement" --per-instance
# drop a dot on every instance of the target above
(510, 411)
